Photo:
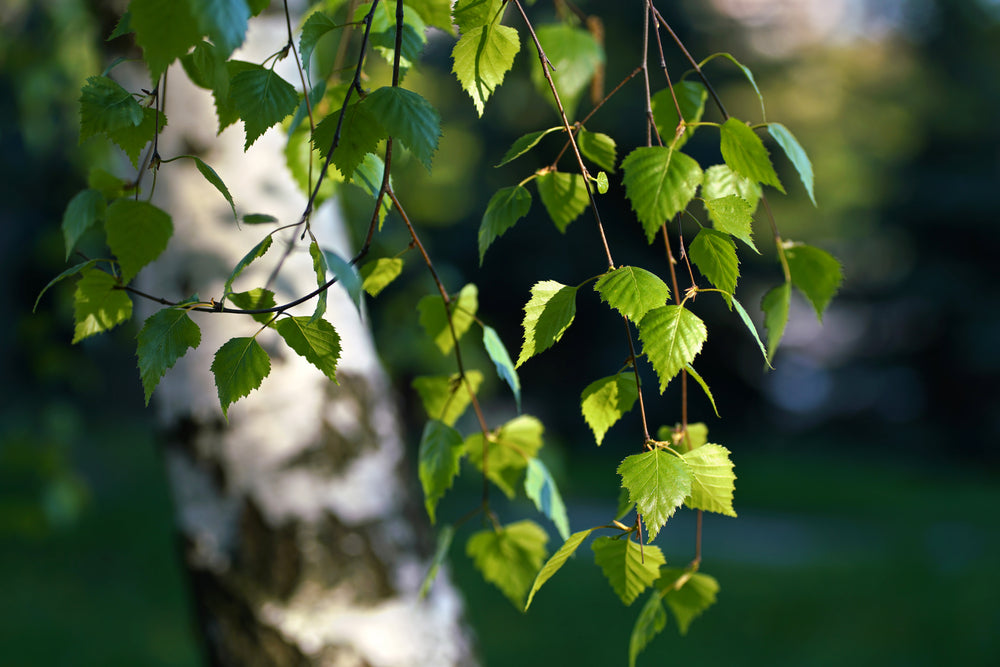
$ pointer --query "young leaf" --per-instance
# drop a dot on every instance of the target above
(753, 330)
(507, 452)
(704, 386)
(632, 291)
(137, 233)
(346, 275)
(542, 490)
(376, 276)
(652, 619)
(212, 177)
(721, 181)
(744, 152)
(440, 553)
(509, 558)
(691, 96)
(796, 154)
(629, 568)
(657, 482)
(441, 449)
(501, 359)
(564, 196)
(602, 183)
(672, 337)
(240, 366)
(547, 315)
(607, 400)
(746, 72)
(71, 271)
(97, 304)
(299, 155)
(525, 144)
(317, 25)
(164, 29)
(469, 14)
(84, 211)
(224, 21)
(557, 560)
(256, 299)
(714, 253)
(256, 253)
(261, 98)
(408, 117)
(659, 182)
(434, 319)
(775, 305)
(506, 207)
(695, 595)
(575, 58)
(315, 340)
(731, 215)
(164, 338)
(713, 481)
(106, 107)
(445, 397)
(483, 56)
(816, 273)
(598, 148)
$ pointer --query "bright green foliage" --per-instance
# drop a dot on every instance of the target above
(240, 366)
(441, 449)
(71, 271)
(775, 305)
(602, 183)
(508, 451)
(524, 144)
(84, 211)
(731, 215)
(547, 315)
(444, 539)
(721, 181)
(542, 490)
(564, 196)
(744, 152)
(97, 304)
(346, 275)
(164, 29)
(434, 319)
(714, 253)
(106, 108)
(607, 400)
(446, 397)
(319, 268)
(575, 58)
(793, 149)
(599, 148)
(314, 339)
(497, 352)
(486, 50)
(436, 13)
(317, 25)
(713, 481)
(256, 253)
(629, 567)
(261, 98)
(510, 557)
(745, 316)
(257, 298)
(408, 117)
(816, 273)
(659, 182)
(469, 14)
(657, 482)
(695, 436)
(165, 338)
(137, 233)
(652, 619)
(695, 595)
(377, 275)
(506, 207)
(557, 560)
(212, 177)
(672, 337)
(691, 97)
(133, 138)
(632, 291)
(224, 21)
(704, 386)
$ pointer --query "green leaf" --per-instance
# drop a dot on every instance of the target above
(598, 148)
(714, 253)
(629, 567)
(632, 291)
(731, 215)
(261, 98)
(657, 482)
(440, 553)
(691, 96)
(106, 107)
(445, 397)
(165, 30)
(816, 272)
(317, 25)
(256, 253)
(71, 271)
(753, 330)
(509, 558)
(225, 106)
(721, 181)
(98, 304)
(564, 196)
(224, 21)
(436, 13)
(624, 505)
(319, 269)
(602, 183)
(206, 67)
(469, 14)
(383, 34)
(746, 72)
(132, 139)
(346, 275)
(376, 276)
(360, 134)
(542, 490)
(482, 58)
(524, 144)
(258, 219)
(796, 154)
(652, 619)
(434, 318)
(302, 162)
(506, 207)
(240, 366)
(256, 299)
(695, 595)
(607, 400)
(84, 211)
(744, 152)
(556, 562)
(507, 452)
(501, 359)
(164, 338)
(137, 233)
(575, 57)
(547, 315)
(441, 449)
(315, 340)
(672, 337)
(713, 481)
(659, 183)
(212, 177)
(408, 117)
(775, 305)
(704, 386)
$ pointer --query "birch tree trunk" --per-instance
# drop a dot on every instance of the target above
(299, 520)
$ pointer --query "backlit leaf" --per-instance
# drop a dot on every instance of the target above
(796, 154)
(509, 558)
(691, 96)
(164, 29)
(446, 397)
(564, 196)
(659, 183)
(744, 152)
(436, 13)
(657, 482)
(239, 367)
(408, 117)
(317, 25)
(575, 57)
(137, 233)
(498, 354)
(71, 271)
(524, 144)
(547, 315)
(721, 181)
(542, 490)
(262, 99)
(346, 275)
(557, 560)
(629, 568)
(257, 298)
(97, 304)
(672, 337)
(440, 452)
(632, 291)
(383, 34)
(713, 481)
(605, 401)
(816, 272)
(84, 211)
(731, 215)
(377, 275)
(508, 451)
(313, 339)
(434, 319)
(482, 58)
(652, 619)
(164, 338)
(714, 253)
(598, 148)
(695, 594)
(469, 14)
(506, 207)
(775, 305)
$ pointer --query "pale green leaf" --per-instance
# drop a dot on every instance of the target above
(106, 107)
(84, 211)
(441, 449)
(556, 562)
(506, 207)
(255, 253)
(652, 619)
(602, 183)
(257, 298)
(713, 481)
(313, 339)
(498, 354)
(721, 181)
(816, 272)
(377, 275)
(137, 233)
(695, 594)
(408, 117)
(434, 318)
(691, 96)
(745, 316)
(564, 196)
(672, 337)
(632, 291)
(314, 98)
(659, 183)
(775, 305)
(239, 367)
(575, 57)
(744, 152)
(224, 21)
(657, 482)
(524, 144)
(164, 338)
(509, 558)
(383, 34)
(793, 149)
(599, 148)
(482, 58)
(714, 253)
(547, 315)
(261, 98)
(446, 397)
(71, 271)
(605, 401)
(346, 275)
(542, 490)
(508, 451)
(731, 215)
(164, 29)
(469, 14)
(98, 304)
(629, 567)
(704, 386)
(440, 553)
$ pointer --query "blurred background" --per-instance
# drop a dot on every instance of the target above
(867, 461)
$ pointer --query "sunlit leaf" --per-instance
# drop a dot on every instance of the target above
(239, 367)
(556, 562)
(446, 397)
(482, 58)
(434, 318)
(598, 148)
(744, 152)
(313, 339)
(508, 451)
(525, 143)
(547, 315)
(605, 401)
(71, 271)
(659, 183)
(672, 337)
(652, 619)
(721, 181)
(731, 215)
(629, 568)
(657, 482)
(691, 96)
(377, 275)
(509, 558)
(713, 481)
(575, 57)
(816, 272)
(137, 233)
(714, 253)
(165, 337)
(695, 594)
(704, 386)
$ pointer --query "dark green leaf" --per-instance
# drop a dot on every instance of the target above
(607, 400)
(672, 337)
(317, 25)
(816, 272)
(547, 315)
(132, 139)
(408, 117)
(714, 253)
(659, 183)
(165, 338)
(598, 148)
(315, 340)
(775, 305)
(137, 233)
(106, 107)
(258, 219)
(383, 34)
(98, 304)
(165, 30)
(744, 152)
(746, 72)
(564, 196)
(632, 291)
(441, 449)
(501, 359)
(360, 134)
(542, 490)
(629, 568)
(713, 481)
(524, 144)
(262, 99)
(691, 96)
(506, 207)
(657, 482)
(256, 299)
(240, 366)
(434, 319)
(509, 558)
(224, 21)
(71, 271)
(212, 177)
(84, 211)
(346, 275)
(557, 560)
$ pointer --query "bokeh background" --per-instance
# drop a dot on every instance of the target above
(867, 460)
